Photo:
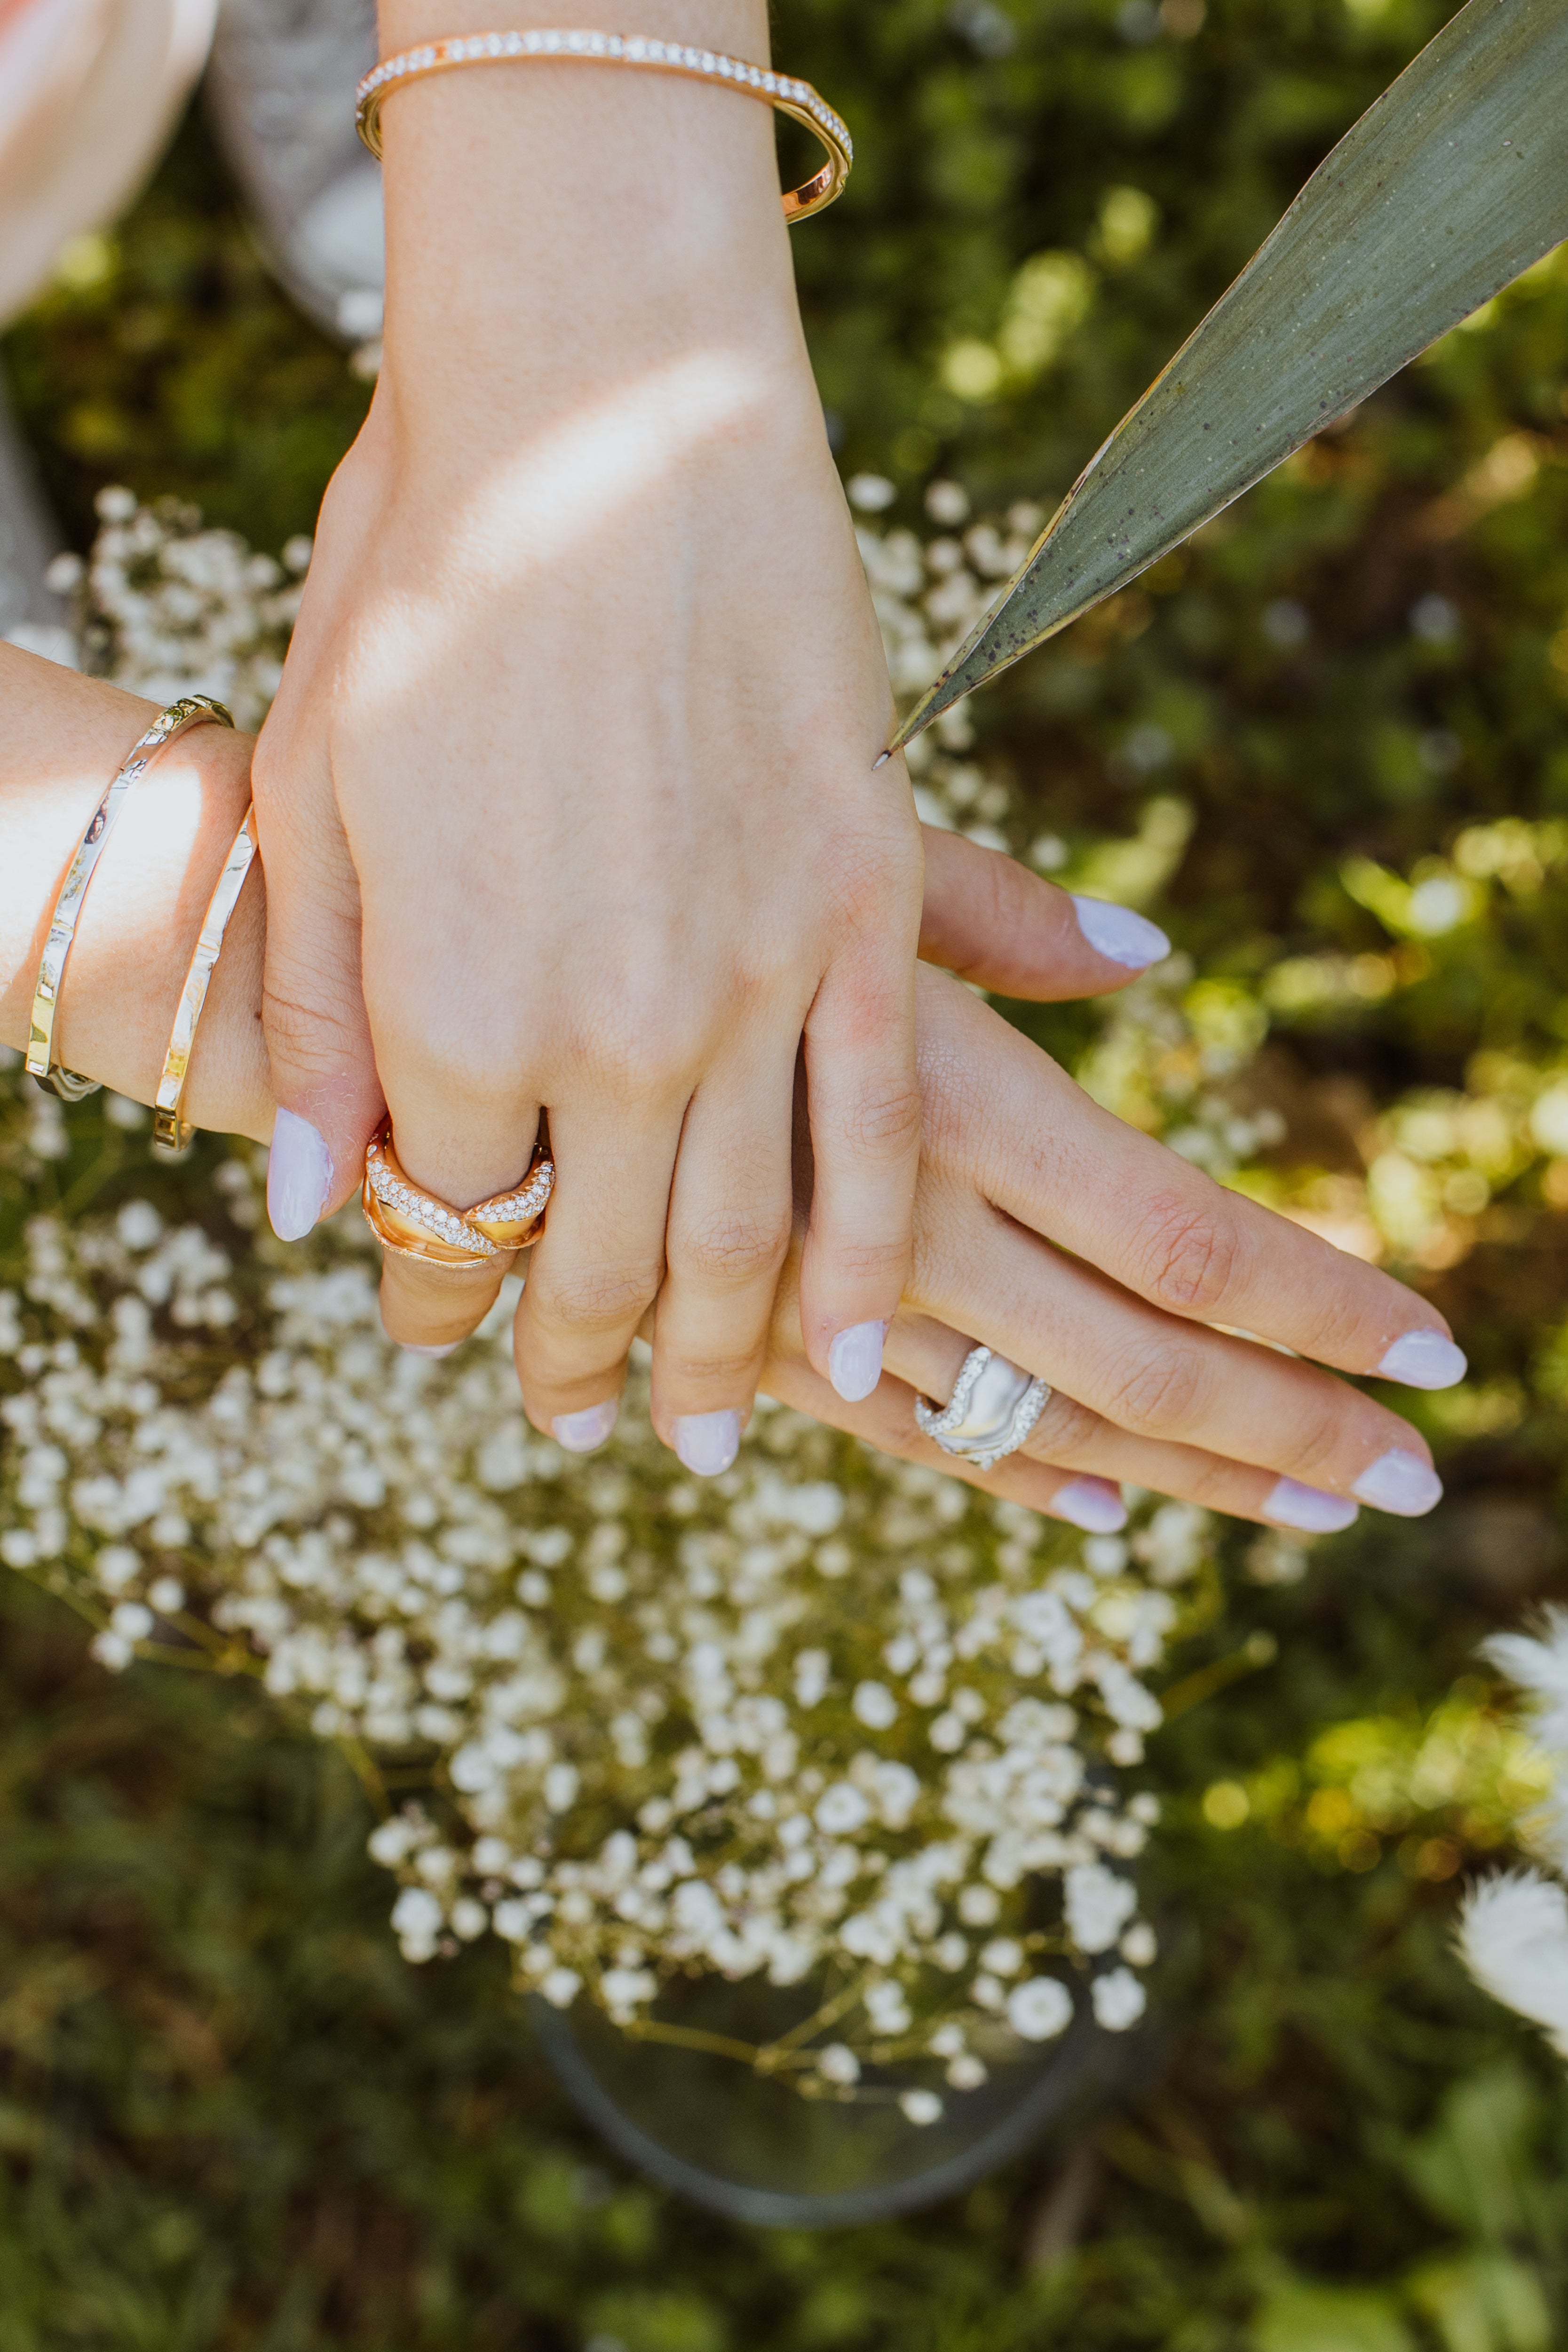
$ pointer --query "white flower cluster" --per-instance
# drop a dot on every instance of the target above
(1513, 1933)
(169, 608)
(825, 1718)
(822, 1720)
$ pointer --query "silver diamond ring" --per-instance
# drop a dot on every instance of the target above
(993, 1407)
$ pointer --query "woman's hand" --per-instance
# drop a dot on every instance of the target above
(1095, 1257)
(568, 801)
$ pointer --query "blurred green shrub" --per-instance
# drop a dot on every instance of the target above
(1328, 742)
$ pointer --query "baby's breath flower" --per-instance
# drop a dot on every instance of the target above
(832, 1718)
(1040, 2009)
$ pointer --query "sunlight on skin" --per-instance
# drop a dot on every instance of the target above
(548, 502)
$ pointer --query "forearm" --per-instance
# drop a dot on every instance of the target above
(63, 739)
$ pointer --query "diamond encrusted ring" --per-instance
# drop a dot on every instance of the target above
(993, 1407)
(784, 92)
(407, 1220)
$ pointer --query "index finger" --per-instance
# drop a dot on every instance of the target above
(993, 922)
(1072, 1171)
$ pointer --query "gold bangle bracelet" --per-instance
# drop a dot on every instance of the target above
(783, 91)
(171, 1131)
(191, 710)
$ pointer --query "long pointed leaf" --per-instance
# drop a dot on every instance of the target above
(1449, 187)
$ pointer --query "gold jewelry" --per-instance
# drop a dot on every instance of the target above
(191, 710)
(790, 96)
(407, 1220)
(171, 1131)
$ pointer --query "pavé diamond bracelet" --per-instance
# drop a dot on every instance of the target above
(790, 96)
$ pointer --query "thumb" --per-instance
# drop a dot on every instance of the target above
(313, 1009)
(993, 922)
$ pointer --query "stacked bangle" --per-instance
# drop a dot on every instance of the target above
(784, 92)
(171, 1131)
(191, 710)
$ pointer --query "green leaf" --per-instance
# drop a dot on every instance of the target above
(1454, 183)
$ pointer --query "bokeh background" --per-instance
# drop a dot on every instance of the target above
(1327, 743)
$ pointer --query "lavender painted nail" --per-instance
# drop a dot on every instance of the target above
(1119, 935)
(580, 1433)
(854, 1360)
(707, 1443)
(1401, 1483)
(1091, 1504)
(1424, 1359)
(298, 1176)
(1291, 1504)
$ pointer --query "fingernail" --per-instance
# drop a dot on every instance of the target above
(1291, 1504)
(1119, 934)
(707, 1443)
(1401, 1483)
(298, 1176)
(1424, 1359)
(1091, 1504)
(410, 1350)
(854, 1360)
(579, 1432)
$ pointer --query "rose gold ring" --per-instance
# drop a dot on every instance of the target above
(406, 1219)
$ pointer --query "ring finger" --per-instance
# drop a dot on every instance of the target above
(1069, 1437)
(1158, 1376)
(432, 1309)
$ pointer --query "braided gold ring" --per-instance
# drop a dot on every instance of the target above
(409, 1221)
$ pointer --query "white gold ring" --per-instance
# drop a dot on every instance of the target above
(993, 1407)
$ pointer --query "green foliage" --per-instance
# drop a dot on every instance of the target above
(1328, 740)
(1351, 286)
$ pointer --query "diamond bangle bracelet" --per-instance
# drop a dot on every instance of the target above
(783, 91)
(172, 1132)
(191, 710)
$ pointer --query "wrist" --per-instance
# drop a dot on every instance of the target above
(552, 225)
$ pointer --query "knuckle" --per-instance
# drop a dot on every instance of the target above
(874, 1265)
(770, 964)
(1064, 1428)
(876, 871)
(1161, 1392)
(729, 1373)
(476, 1073)
(730, 1249)
(590, 1302)
(880, 1121)
(1211, 1481)
(1191, 1255)
(1318, 1433)
(1341, 1330)
(645, 1055)
(310, 1038)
